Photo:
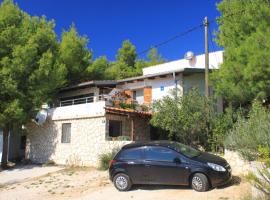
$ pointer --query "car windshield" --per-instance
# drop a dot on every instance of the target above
(187, 150)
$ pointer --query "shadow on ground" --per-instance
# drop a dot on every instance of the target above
(158, 187)
(236, 180)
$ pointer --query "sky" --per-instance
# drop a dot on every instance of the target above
(107, 23)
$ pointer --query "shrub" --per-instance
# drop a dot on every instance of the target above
(105, 158)
(251, 138)
(249, 134)
(186, 118)
(123, 138)
(219, 126)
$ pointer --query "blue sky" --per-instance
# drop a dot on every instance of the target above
(144, 22)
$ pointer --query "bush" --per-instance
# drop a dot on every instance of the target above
(105, 158)
(251, 138)
(219, 126)
(250, 134)
(186, 118)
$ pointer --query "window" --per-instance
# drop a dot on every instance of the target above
(138, 95)
(115, 128)
(130, 154)
(66, 133)
(23, 142)
(160, 154)
(186, 150)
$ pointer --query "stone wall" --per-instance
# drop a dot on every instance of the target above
(87, 142)
(238, 164)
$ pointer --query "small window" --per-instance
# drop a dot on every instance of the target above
(138, 95)
(115, 128)
(160, 154)
(130, 154)
(23, 142)
(66, 133)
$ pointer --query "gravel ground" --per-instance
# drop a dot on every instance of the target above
(89, 183)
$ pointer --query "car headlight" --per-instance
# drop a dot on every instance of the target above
(216, 167)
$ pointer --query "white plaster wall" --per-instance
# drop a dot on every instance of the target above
(78, 111)
(215, 59)
(167, 82)
(194, 80)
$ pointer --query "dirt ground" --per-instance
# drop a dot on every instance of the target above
(92, 184)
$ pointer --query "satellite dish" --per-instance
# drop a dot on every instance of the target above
(41, 116)
(189, 55)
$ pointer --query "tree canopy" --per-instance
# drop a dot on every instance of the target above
(127, 63)
(244, 31)
(34, 65)
(74, 55)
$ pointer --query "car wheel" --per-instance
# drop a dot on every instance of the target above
(199, 182)
(122, 182)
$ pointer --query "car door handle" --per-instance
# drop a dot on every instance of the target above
(147, 165)
(131, 162)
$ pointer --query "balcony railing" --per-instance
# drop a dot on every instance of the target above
(84, 100)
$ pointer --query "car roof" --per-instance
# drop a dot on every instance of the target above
(162, 143)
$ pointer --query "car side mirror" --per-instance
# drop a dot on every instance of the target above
(177, 160)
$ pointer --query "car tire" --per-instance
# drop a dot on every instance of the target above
(122, 182)
(199, 182)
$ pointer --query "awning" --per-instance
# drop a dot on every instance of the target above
(114, 110)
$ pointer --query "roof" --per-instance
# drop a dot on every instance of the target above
(163, 143)
(85, 84)
(114, 110)
(183, 70)
(198, 61)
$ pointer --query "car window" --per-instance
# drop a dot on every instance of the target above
(160, 154)
(130, 154)
(187, 150)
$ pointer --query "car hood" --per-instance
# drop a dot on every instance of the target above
(211, 158)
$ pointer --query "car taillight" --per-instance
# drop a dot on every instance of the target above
(111, 163)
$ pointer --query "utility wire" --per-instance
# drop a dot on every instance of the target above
(185, 33)
(172, 38)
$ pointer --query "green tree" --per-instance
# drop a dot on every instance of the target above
(30, 72)
(74, 55)
(177, 114)
(96, 71)
(127, 54)
(125, 64)
(154, 58)
(119, 70)
(244, 30)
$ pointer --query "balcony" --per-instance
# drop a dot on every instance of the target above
(80, 108)
(92, 106)
(83, 100)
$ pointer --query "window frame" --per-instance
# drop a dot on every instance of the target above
(121, 127)
(66, 140)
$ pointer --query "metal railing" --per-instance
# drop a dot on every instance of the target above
(84, 100)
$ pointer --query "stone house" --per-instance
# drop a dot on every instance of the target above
(94, 117)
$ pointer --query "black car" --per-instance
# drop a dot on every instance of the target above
(167, 163)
